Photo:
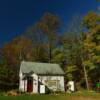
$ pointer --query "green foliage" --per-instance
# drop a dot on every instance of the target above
(7, 78)
(91, 45)
(89, 65)
(70, 70)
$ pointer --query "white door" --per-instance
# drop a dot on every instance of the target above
(42, 88)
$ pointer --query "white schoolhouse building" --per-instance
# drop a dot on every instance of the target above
(36, 77)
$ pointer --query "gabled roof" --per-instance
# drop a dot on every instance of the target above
(41, 68)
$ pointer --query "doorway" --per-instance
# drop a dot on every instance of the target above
(29, 84)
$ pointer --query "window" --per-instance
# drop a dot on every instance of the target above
(52, 83)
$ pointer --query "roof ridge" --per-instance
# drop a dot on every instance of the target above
(38, 62)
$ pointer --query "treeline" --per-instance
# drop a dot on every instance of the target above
(78, 52)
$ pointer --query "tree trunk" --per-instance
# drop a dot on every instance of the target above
(85, 75)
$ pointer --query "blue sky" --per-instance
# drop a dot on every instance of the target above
(17, 15)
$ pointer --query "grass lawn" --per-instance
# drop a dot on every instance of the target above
(73, 96)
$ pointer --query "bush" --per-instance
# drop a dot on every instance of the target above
(12, 93)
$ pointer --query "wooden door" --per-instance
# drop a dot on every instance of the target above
(29, 85)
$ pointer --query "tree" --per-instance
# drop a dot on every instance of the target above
(8, 78)
(49, 26)
(17, 50)
(13, 53)
(71, 47)
(72, 56)
(92, 45)
(45, 34)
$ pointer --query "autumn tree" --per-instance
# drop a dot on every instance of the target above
(13, 53)
(39, 44)
(49, 25)
(17, 50)
(92, 46)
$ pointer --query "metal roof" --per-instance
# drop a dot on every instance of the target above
(41, 68)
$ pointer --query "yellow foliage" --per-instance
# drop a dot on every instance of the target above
(96, 59)
(97, 48)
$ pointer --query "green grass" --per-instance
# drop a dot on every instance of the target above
(73, 96)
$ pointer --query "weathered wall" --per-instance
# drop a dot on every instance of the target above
(42, 79)
(22, 83)
(35, 83)
(59, 85)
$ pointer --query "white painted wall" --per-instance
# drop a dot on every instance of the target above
(35, 83)
(43, 80)
(60, 84)
(22, 83)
